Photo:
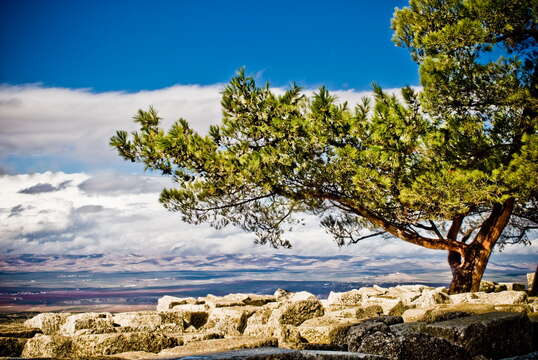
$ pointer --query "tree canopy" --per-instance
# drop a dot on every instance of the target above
(451, 167)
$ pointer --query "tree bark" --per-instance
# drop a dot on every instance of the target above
(467, 269)
(468, 264)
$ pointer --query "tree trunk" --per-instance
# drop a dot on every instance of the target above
(469, 263)
(467, 270)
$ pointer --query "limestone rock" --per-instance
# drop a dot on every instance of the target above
(411, 288)
(50, 346)
(238, 300)
(487, 334)
(418, 314)
(487, 286)
(505, 298)
(431, 297)
(108, 344)
(281, 294)
(301, 296)
(289, 337)
(371, 291)
(191, 307)
(10, 346)
(218, 345)
(258, 323)
(142, 320)
(356, 312)
(467, 298)
(390, 305)
(88, 323)
(356, 334)
(229, 321)
(296, 312)
(407, 293)
(325, 330)
(349, 298)
(194, 319)
(411, 346)
(49, 323)
(167, 302)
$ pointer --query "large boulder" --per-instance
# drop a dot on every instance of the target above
(411, 346)
(108, 344)
(390, 305)
(88, 323)
(494, 298)
(169, 321)
(142, 320)
(229, 321)
(357, 333)
(356, 312)
(371, 291)
(348, 298)
(289, 337)
(49, 323)
(493, 334)
(191, 307)
(296, 312)
(407, 293)
(258, 323)
(166, 303)
(217, 345)
(431, 298)
(49, 346)
(326, 330)
(237, 300)
(505, 298)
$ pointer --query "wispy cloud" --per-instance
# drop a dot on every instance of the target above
(93, 214)
(76, 124)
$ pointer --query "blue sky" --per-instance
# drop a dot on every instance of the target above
(72, 72)
(134, 45)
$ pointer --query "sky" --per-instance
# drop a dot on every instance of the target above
(72, 72)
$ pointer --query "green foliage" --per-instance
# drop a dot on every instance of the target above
(402, 164)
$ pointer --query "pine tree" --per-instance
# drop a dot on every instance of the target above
(451, 168)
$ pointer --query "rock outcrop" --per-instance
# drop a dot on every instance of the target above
(401, 322)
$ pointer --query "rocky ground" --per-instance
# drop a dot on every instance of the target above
(402, 322)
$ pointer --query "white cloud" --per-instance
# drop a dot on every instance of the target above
(78, 123)
(86, 215)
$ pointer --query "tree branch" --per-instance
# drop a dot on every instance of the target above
(235, 204)
(354, 241)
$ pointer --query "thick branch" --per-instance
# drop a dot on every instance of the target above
(405, 234)
(494, 225)
(455, 227)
